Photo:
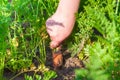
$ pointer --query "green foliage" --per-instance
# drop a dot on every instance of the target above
(37, 77)
(4, 23)
(22, 33)
(48, 75)
(95, 65)
(102, 17)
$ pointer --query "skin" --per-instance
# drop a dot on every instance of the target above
(60, 25)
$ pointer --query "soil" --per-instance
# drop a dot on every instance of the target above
(65, 72)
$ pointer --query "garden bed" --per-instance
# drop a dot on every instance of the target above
(65, 72)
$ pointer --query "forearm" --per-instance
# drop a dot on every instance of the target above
(68, 7)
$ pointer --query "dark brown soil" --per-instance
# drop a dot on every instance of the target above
(65, 72)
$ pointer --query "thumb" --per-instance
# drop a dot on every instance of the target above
(54, 44)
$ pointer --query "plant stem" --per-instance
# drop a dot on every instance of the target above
(20, 74)
(117, 6)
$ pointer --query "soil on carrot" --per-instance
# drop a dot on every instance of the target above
(65, 72)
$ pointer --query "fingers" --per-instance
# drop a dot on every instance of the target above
(54, 30)
(54, 44)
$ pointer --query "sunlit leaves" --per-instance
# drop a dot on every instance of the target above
(104, 52)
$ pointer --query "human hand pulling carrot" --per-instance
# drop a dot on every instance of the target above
(60, 25)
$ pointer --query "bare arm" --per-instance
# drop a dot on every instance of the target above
(68, 7)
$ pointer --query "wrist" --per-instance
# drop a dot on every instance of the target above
(68, 8)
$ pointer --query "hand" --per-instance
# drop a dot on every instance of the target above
(60, 25)
(59, 28)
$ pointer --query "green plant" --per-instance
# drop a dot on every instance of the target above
(4, 23)
(37, 77)
(22, 33)
(48, 75)
(103, 50)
